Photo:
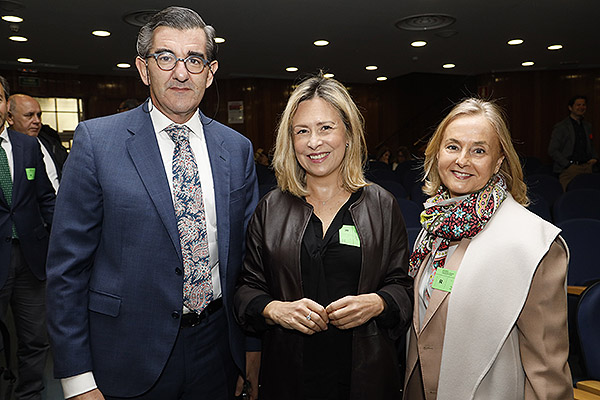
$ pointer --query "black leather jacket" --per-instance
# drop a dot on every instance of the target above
(272, 267)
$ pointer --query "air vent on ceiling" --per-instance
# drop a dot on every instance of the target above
(425, 22)
(139, 18)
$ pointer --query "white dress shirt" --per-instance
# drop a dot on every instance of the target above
(85, 382)
(51, 170)
(8, 149)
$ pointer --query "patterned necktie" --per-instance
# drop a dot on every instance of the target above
(6, 183)
(191, 221)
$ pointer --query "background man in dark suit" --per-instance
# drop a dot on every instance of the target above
(25, 116)
(26, 208)
(150, 235)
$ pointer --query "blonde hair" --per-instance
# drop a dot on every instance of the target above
(511, 166)
(290, 175)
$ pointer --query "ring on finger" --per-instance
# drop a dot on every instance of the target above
(308, 316)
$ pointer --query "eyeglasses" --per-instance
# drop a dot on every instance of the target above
(167, 61)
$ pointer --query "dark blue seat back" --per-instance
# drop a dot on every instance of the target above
(582, 203)
(582, 237)
(588, 327)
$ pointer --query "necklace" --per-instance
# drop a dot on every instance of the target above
(325, 201)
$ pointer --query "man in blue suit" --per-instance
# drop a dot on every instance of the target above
(26, 208)
(150, 235)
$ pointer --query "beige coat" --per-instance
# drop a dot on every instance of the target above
(502, 332)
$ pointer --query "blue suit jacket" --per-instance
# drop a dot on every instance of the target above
(32, 206)
(112, 288)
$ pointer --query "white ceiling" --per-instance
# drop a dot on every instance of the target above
(265, 36)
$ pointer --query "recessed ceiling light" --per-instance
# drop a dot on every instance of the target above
(291, 69)
(515, 42)
(371, 67)
(527, 63)
(382, 78)
(18, 38)
(555, 47)
(219, 40)
(124, 65)
(101, 33)
(419, 43)
(24, 60)
(448, 66)
(320, 43)
(329, 75)
(12, 18)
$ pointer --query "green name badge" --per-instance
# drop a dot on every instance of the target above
(30, 173)
(349, 236)
(444, 279)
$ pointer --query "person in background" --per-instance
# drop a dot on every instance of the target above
(128, 104)
(25, 116)
(26, 211)
(490, 317)
(324, 278)
(571, 145)
(149, 235)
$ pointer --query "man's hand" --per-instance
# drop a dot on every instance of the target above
(91, 395)
(252, 370)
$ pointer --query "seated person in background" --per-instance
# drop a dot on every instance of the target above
(490, 317)
(571, 143)
(128, 104)
(324, 278)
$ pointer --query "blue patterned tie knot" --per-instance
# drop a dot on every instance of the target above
(191, 221)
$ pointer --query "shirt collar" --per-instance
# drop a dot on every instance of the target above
(160, 121)
(4, 134)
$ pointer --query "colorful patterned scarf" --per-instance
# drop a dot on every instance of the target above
(448, 219)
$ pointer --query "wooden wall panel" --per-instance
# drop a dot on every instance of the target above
(397, 112)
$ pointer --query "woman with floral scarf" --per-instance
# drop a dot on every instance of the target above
(490, 313)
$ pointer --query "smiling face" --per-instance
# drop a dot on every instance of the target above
(319, 138)
(578, 109)
(176, 93)
(469, 155)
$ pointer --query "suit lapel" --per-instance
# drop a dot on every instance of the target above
(18, 164)
(145, 154)
(220, 167)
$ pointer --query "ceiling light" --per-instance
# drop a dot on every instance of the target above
(448, 66)
(219, 40)
(515, 42)
(18, 38)
(101, 33)
(124, 65)
(418, 43)
(382, 78)
(291, 69)
(328, 75)
(371, 67)
(527, 63)
(24, 60)
(320, 43)
(555, 47)
(12, 18)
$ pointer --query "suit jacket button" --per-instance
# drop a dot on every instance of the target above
(175, 315)
(178, 271)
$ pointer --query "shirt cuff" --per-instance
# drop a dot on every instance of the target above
(78, 384)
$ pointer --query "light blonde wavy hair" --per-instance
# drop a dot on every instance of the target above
(511, 166)
(290, 175)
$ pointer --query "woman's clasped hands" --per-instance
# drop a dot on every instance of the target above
(309, 317)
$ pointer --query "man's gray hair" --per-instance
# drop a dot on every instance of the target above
(177, 18)
(4, 84)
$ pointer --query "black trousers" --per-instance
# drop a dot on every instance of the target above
(26, 296)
